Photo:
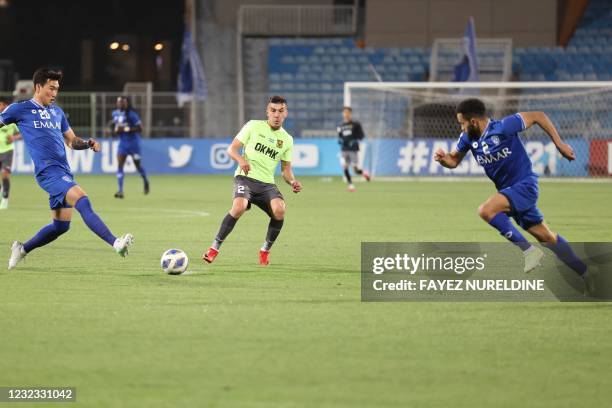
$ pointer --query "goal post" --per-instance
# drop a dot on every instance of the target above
(405, 122)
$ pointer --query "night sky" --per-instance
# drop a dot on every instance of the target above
(49, 33)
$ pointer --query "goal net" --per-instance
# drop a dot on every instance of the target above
(406, 122)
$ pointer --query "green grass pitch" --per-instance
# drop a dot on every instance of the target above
(294, 334)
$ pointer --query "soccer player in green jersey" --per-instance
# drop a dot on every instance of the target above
(8, 134)
(263, 144)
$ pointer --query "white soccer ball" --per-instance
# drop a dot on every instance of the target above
(174, 261)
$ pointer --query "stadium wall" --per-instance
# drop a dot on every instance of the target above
(401, 23)
(320, 157)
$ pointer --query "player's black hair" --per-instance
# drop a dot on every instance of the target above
(277, 99)
(5, 100)
(42, 75)
(129, 103)
(348, 108)
(472, 108)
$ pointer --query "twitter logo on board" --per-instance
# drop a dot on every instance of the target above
(180, 157)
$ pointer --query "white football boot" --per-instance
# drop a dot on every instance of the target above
(533, 256)
(122, 243)
(17, 254)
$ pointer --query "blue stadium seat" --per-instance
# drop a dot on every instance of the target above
(313, 70)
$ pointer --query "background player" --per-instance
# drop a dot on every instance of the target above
(264, 144)
(8, 134)
(498, 148)
(127, 125)
(45, 129)
(350, 133)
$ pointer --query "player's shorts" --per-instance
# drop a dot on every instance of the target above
(56, 181)
(129, 148)
(349, 157)
(257, 192)
(6, 160)
(523, 197)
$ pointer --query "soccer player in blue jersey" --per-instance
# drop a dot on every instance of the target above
(497, 147)
(127, 125)
(44, 129)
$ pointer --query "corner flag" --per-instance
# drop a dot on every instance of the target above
(191, 82)
(467, 69)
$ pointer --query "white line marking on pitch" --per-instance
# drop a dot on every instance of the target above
(179, 213)
(142, 210)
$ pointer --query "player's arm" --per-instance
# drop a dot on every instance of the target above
(542, 120)
(340, 136)
(358, 131)
(9, 115)
(112, 128)
(449, 160)
(287, 173)
(134, 125)
(76, 143)
(128, 129)
(13, 137)
(137, 128)
(234, 151)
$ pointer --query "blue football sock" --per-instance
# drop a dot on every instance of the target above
(566, 254)
(120, 176)
(502, 223)
(47, 234)
(83, 206)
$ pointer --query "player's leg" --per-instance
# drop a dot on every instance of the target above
(142, 171)
(277, 219)
(6, 186)
(272, 202)
(6, 162)
(356, 168)
(361, 172)
(559, 245)
(120, 174)
(77, 198)
(59, 225)
(239, 205)
(346, 163)
(495, 212)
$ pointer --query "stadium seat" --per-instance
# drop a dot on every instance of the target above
(314, 69)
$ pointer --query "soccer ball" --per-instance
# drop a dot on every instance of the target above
(174, 261)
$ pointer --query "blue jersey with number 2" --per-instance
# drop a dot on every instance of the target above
(500, 151)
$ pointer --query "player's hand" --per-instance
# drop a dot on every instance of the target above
(566, 151)
(244, 166)
(439, 154)
(9, 139)
(94, 145)
(296, 186)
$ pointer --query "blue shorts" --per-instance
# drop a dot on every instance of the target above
(523, 197)
(56, 181)
(127, 148)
